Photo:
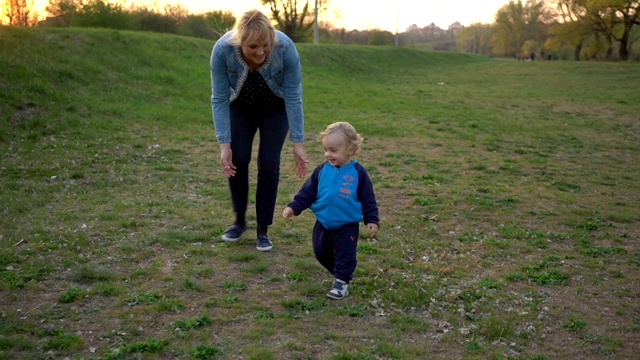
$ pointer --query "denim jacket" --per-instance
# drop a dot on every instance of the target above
(281, 70)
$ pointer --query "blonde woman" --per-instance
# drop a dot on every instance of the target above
(256, 88)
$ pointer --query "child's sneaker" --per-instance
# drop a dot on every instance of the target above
(339, 290)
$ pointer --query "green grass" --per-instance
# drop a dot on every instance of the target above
(508, 195)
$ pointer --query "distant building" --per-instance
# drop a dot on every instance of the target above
(432, 36)
(412, 28)
(433, 30)
(455, 27)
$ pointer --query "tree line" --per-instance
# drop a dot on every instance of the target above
(552, 29)
(578, 29)
(173, 19)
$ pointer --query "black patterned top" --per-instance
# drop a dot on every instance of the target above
(256, 95)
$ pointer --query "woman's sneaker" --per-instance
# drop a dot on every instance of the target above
(339, 290)
(233, 233)
(263, 243)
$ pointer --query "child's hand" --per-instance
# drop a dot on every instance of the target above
(288, 213)
(373, 229)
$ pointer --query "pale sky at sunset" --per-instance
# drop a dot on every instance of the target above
(360, 14)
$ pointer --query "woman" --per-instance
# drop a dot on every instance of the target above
(257, 86)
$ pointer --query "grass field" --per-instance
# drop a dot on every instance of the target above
(508, 192)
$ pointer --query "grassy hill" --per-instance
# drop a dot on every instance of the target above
(137, 74)
(508, 194)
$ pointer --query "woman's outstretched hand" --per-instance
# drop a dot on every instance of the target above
(301, 159)
(228, 169)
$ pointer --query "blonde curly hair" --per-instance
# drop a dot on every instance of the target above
(354, 140)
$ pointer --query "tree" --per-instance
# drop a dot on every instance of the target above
(380, 37)
(61, 11)
(571, 31)
(100, 13)
(630, 12)
(211, 25)
(517, 23)
(219, 22)
(148, 20)
(19, 12)
(294, 20)
(176, 12)
(615, 19)
(475, 38)
(509, 30)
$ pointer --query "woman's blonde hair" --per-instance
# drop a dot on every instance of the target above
(252, 27)
(354, 140)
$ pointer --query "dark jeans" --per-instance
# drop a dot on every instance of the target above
(273, 127)
(336, 249)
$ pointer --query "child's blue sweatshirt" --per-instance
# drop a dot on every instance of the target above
(338, 195)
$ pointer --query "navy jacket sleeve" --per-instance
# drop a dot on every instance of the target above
(307, 194)
(367, 197)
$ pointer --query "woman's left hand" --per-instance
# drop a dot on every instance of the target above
(301, 159)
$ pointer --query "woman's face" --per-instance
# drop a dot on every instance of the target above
(255, 51)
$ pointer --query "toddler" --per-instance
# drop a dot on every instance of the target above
(340, 194)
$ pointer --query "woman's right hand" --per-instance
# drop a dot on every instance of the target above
(300, 158)
(228, 169)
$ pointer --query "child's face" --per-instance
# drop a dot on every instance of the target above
(336, 149)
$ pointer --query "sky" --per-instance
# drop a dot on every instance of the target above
(359, 14)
